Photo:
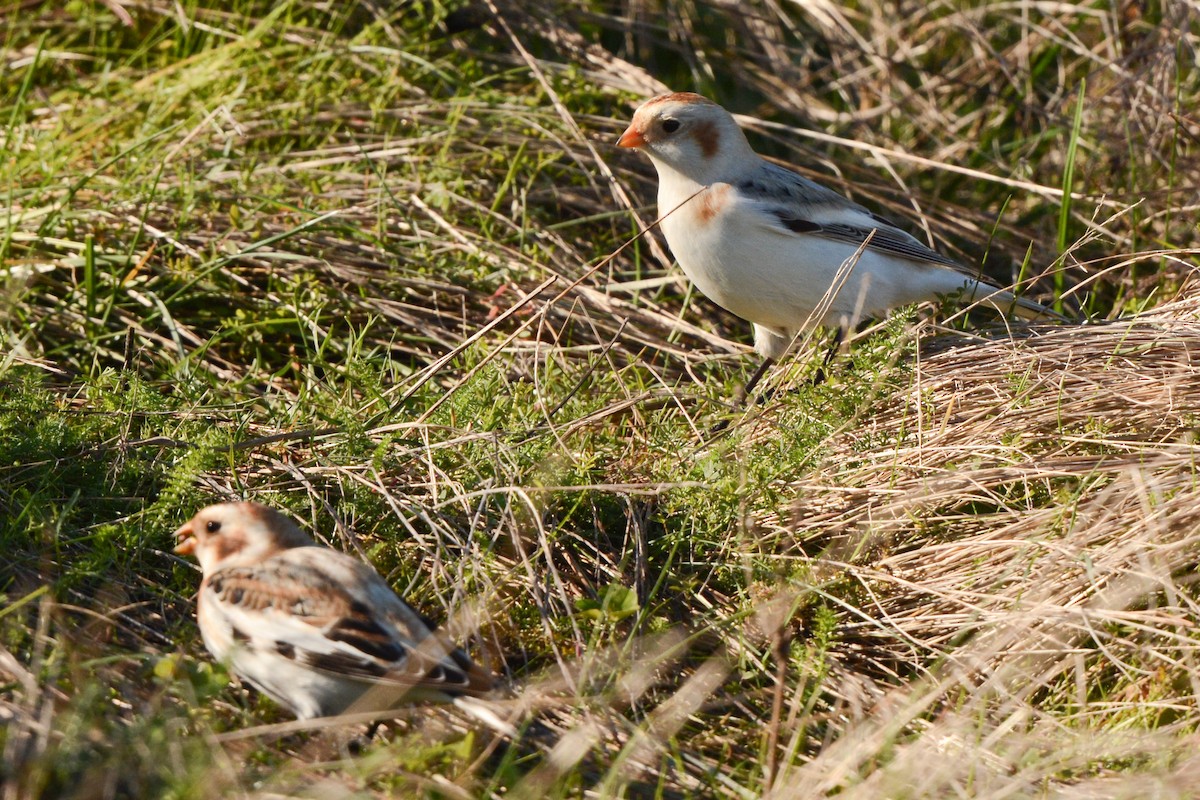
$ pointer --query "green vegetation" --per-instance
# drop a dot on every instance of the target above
(379, 265)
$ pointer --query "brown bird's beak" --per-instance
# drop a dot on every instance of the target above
(186, 538)
(631, 138)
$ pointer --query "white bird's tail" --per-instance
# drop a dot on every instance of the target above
(1007, 303)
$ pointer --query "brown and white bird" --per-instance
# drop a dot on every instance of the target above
(316, 630)
(767, 244)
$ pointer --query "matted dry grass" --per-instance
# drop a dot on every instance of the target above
(988, 601)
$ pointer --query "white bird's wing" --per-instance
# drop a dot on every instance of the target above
(330, 612)
(883, 238)
(792, 203)
(788, 204)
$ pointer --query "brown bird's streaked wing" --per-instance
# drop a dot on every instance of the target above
(332, 613)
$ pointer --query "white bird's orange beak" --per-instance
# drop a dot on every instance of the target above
(187, 539)
(632, 137)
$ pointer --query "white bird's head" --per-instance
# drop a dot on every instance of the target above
(237, 533)
(691, 135)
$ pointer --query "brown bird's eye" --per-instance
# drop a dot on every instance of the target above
(670, 125)
(212, 526)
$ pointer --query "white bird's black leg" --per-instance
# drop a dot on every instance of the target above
(766, 364)
(821, 374)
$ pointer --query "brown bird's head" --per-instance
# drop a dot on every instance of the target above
(237, 533)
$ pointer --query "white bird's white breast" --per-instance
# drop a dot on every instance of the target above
(727, 248)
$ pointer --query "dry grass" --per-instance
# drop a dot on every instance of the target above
(1027, 541)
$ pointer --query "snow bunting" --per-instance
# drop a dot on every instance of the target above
(768, 245)
(318, 631)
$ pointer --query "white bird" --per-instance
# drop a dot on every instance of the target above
(769, 245)
(316, 630)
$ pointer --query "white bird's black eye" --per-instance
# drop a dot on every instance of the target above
(212, 526)
(671, 125)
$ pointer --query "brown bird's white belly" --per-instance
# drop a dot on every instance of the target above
(270, 667)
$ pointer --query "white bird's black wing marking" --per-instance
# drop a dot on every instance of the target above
(806, 207)
(886, 238)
